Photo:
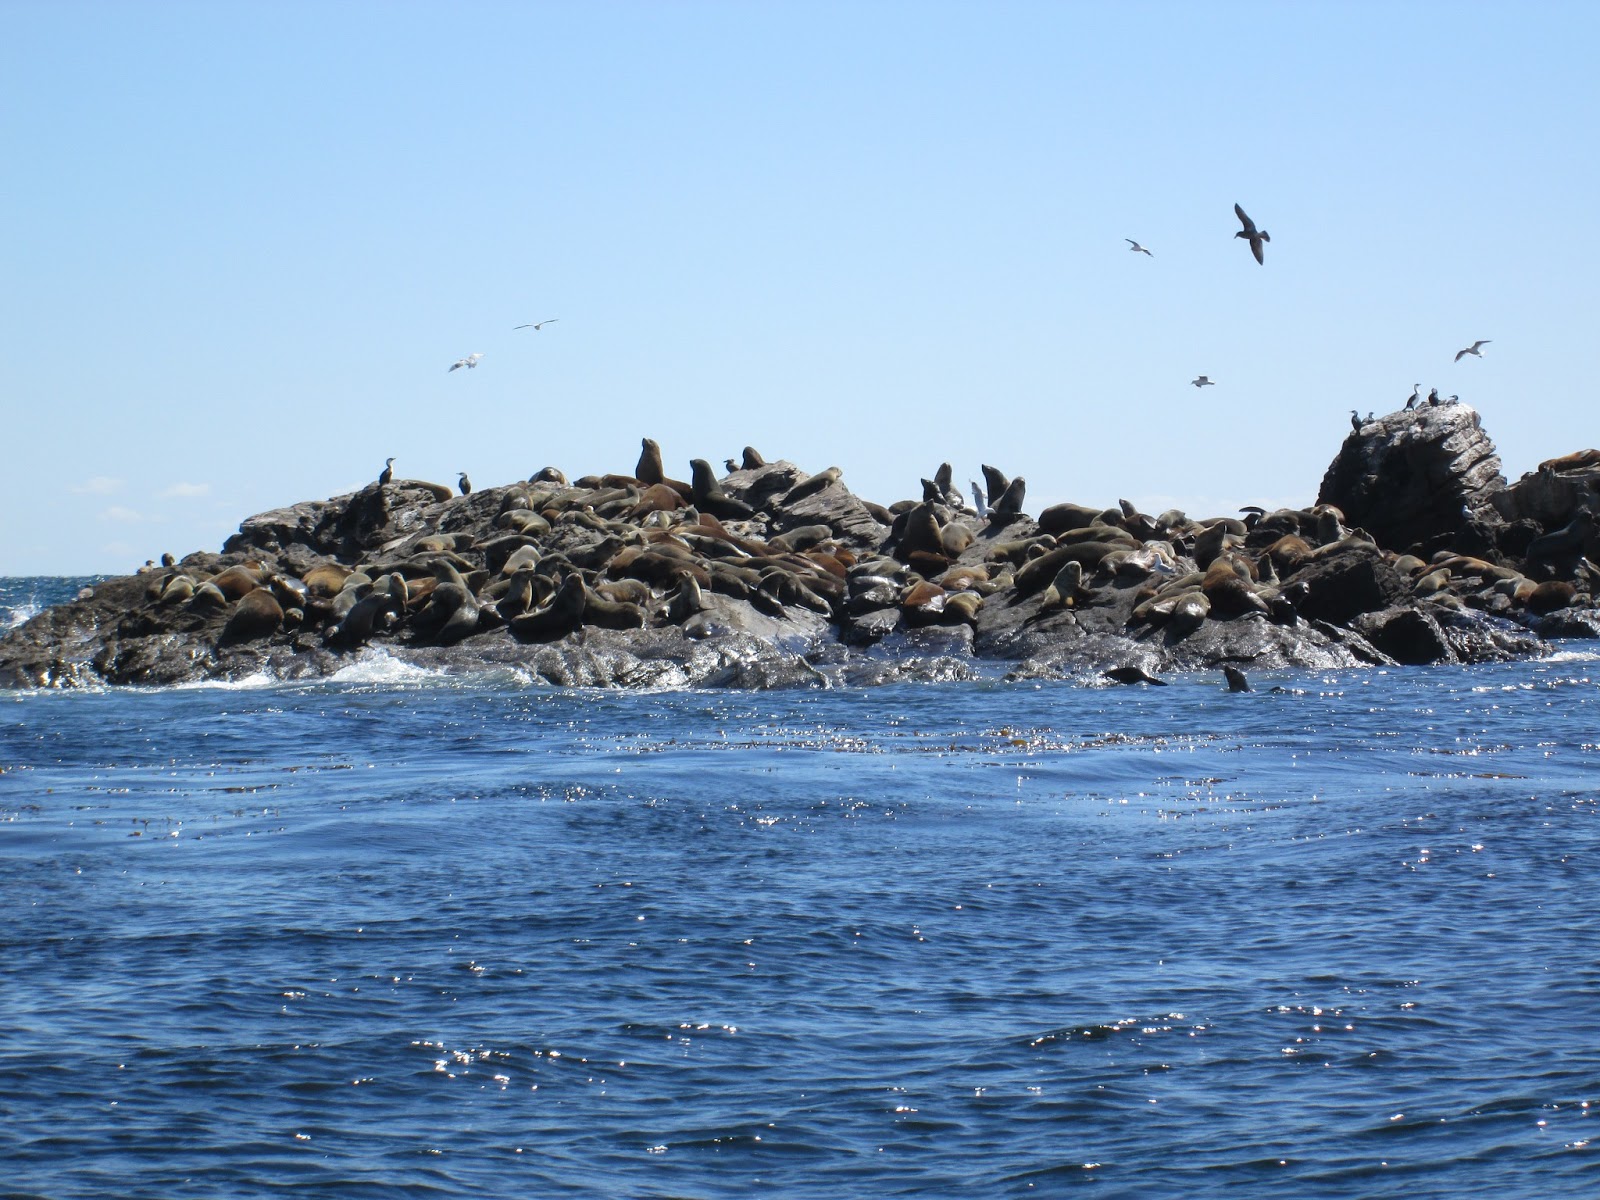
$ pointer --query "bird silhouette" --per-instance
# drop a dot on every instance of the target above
(536, 325)
(469, 362)
(1473, 349)
(1253, 235)
(1133, 245)
(1204, 381)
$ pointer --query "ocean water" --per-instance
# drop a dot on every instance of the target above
(402, 935)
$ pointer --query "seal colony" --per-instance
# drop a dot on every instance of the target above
(770, 576)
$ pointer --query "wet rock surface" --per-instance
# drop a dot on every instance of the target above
(770, 576)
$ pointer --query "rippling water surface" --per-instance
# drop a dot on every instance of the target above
(401, 935)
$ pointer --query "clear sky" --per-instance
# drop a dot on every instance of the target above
(243, 242)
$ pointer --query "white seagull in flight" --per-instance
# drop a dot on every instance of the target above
(1133, 245)
(1473, 349)
(469, 362)
(536, 325)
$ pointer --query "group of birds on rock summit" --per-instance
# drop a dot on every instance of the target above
(472, 360)
(1257, 239)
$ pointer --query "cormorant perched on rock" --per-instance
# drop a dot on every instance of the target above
(730, 465)
(1454, 399)
(1416, 394)
(387, 473)
(1433, 398)
(466, 485)
(1355, 420)
(1252, 235)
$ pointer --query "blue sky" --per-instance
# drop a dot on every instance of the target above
(245, 241)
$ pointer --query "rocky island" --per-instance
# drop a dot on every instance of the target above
(1416, 551)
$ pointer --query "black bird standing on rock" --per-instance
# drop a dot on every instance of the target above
(1416, 394)
(466, 485)
(1355, 420)
(1433, 398)
(387, 473)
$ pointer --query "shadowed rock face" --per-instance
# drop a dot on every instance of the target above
(1406, 476)
(797, 582)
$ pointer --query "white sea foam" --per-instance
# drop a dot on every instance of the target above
(16, 614)
(249, 683)
(1572, 656)
(378, 666)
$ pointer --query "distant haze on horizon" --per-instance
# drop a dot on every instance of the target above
(247, 241)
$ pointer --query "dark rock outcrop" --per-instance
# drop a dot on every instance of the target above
(1414, 476)
(773, 577)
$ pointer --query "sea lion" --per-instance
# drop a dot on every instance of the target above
(1059, 518)
(1551, 595)
(237, 582)
(208, 597)
(1132, 675)
(1063, 589)
(709, 497)
(363, 619)
(257, 615)
(557, 619)
(518, 596)
(548, 475)
(994, 483)
(611, 614)
(649, 469)
(178, 589)
(1189, 612)
(1009, 502)
(1230, 594)
(809, 486)
(752, 459)
(1236, 680)
(1571, 462)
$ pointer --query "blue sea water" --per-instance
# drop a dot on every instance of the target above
(404, 935)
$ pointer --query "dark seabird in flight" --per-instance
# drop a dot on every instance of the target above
(536, 325)
(1253, 235)
(387, 473)
(1473, 349)
(469, 362)
(1133, 245)
(466, 485)
(1416, 394)
(1204, 381)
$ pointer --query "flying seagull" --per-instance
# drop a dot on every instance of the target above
(536, 325)
(1473, 349)
(1254, 236)
(469, 362)
(1204, 381)
(1133, 245)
